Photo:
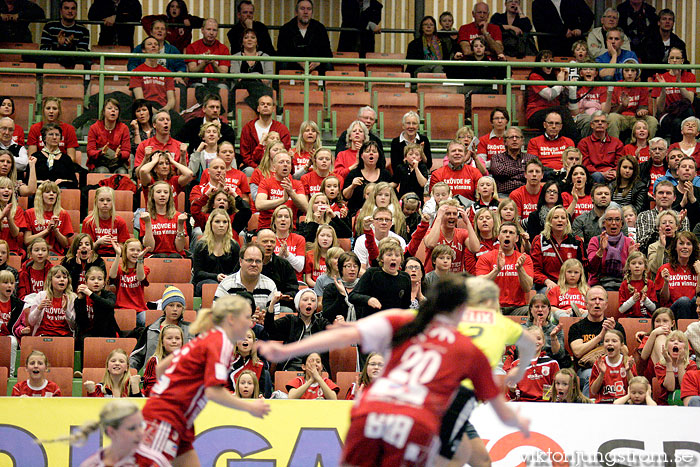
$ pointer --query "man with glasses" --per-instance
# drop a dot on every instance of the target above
(596, 38)
(655, 168)
(600, 151)
(249, 278)
(586, 226)
(664, 197)
(549, 147)
(381, 223)
(7, 128)
(508, 168)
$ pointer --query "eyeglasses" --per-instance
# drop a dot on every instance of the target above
(552, 192)
(413, 268)
(382, 219)
(6, 128)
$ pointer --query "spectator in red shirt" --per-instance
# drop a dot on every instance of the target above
(690, 128)
(108, 147)
(674, 104)
(279, 189)
(493, 143)
(158, 89)
(460, 177)
(628, 105)
(254, 131)
(677, 280)
(445, 232)
(549, 147)
(161, 141)
(481, 27)
(208, 45)
(527, 196)
(690, 386)
(511, 270)
(600, 150)
(51, 113)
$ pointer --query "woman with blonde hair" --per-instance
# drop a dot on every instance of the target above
(13, 214)
(51, 113)
(308, 142)
(162, 228)
(357, 134)
(216, 253)
(320, 213)
(273, 145)
(48, 220)
(208, 149)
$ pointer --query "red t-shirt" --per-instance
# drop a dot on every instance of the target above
(118, 229)
(583, 205)
(273, 189)
(469, 31)
(5, 315)
(614, 381)
(178, 397)
(296, 246)
(457, 243)
(199, 48)
(690, 386)
(18, 135)
(637, 310)
(130, 290)
(681, 283)
(470, 258)
(655, 172)
(490, 146)
(674, 94)
(538, 379)
(507, 279)
(36, 280)
(48, 389)
(631, 150)
(535, 102)
(343, 161)
(638, 96)
(21, 223)
(155, 88)
(235, 179)
(65, 226)
(310, 268)
(172, 146)
(314, 391)
(549, 151)
(525, 201)
(53, 322)
(174, 185)
(164, 231)
(660, 372)
(68, 137)
(462, 182)
(564, 300)
(312, 183)
(299, 159)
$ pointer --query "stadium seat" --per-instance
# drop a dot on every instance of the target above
(253, 222)
(95, 178)
(128, 217)
(482, 105)
(566, 322)
(345, 243)
(70, 200)
(398, 67)
(632, 326)
(294, 108)
(72, 95)
(344, 107)
(24, 95)
(59, 350)
(59, 78)
(344, 359)
(154, 292)
(345, 380)
(244, 113)
(345, 86)
(126, 319)
(60, 375)
(4, 372)
(346, 66)
(613, 310)
(123, 200)
(15, 261)
(96, 349)
(517, 319)
(391, 108)
(25, 77)
(192, 99)
(444, 114)
(96, 375)
(283, 377)
(17, 57)
(5, 350)
(438, 88)
(389, 86)
(169, 269)
(208, 291)
(681, 324)
(122, 80)
(111, 49)
(294, 83)
(75, 220)
(109, 87)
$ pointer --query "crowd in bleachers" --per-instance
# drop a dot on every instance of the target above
(593, 242)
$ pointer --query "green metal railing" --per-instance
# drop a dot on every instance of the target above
(508, 82)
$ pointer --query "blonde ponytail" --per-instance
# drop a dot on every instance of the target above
(111, 415)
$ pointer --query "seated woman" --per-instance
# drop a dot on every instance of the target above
(357, 134)
(410, 122)
(677, 281)
(550, 196)
(370, 169)
(140, 127)
(48, 220)
(160, 166)
(179, 24)
(255, 87)
(608, 251)
(289, 246)
(215, 255)
(208, 149)
(12, 218)
(690, 129)
(108, 145)
(51, 163)
(217, 197)
(674, 104)
(427, 46)
(51, 113)
(627, 188)
(320, 213)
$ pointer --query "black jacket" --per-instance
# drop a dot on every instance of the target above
(282, 274)
(75, 269)
(126, 11)
(18, 31)
(16, 307)
(654, 51)
(235, 37)
(290, 43)
(415, 52)
(575, 14)
(637, 26)
(103, 324)
(189, 133)
(290, 328)
(354, 17)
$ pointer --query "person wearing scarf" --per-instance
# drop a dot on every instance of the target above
(427, 46)
(335, 295)
(607, 252)
(51, 163)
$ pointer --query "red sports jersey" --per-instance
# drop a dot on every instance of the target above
(538, 379)
(631, 150)
(65, 226)
(549, 151)
(525, 201)
(18, 135)
(457, 244)
(5, 314)
(638, 310)
(674, 94)
(535, 102)
(462, 182)
(171, 145)
(681, 283)
(614, 380)
(638, 97)
(53, 320)
(583, 205)
(200, 48)
(154, 88)
(273, 189)
(691, 384)
(310, 268)
(47, 389)
(21, 223)
(655, 173)
(563, 300)
(507, 279)
(149, 375)
(490, 145)
(235, 179)
(130, 290)
(661, 397)
(164, 233)
(117, 229)
(178, 397)
(143, 457)
(314, 391)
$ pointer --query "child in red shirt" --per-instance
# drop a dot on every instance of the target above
(637, 291)
(611, 373)
(671, 369)
(170, 339)
(33, 272)
(571, 289)
(321, 168)
(36, 385)
(13, 222)
(312, 385)
(48, 220)
(130, 276)
(116, 378)
(332, 187)
(162, 227)
(539, 376)
(316, 257)
(104, 225)
(51, 312)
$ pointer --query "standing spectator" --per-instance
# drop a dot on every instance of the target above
(493, 143)
(15, 16)
(462, 178)
(249, 278)
(549, 147)
(410, 123)
(508, 168)
(674, 104)
(657, 46)
(664, 198)
(629, 105)
(112, 14)
(108, 147)
(279, 189)
(637, 19)
(597, 37)
(303, 36)
(161, 141)
(615, 54)
(481, 27)
(427, 46)
(527, 196)
(65, 34)
(362, 15)
(208, 45)
(511, 270)
(587, 225)
(600, 150)
(157, 89)
(566, 21)
(515, 30)
(254, 131)
(607, 252)
(211, 106)
(245, 12)
(175, 13)
(541, 100)
(368, 116)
